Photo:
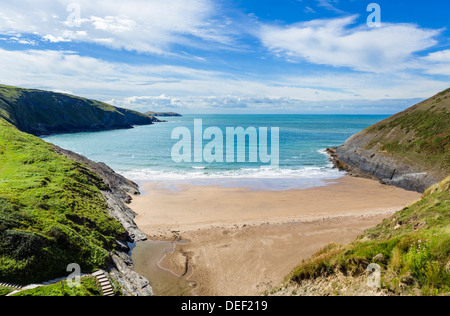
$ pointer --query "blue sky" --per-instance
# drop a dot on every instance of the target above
(236, 56)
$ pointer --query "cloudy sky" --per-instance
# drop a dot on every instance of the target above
(230, 56)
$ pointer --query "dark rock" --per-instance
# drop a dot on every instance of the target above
(351, 157)
(122, 246)
(131, 282)
(116, 197)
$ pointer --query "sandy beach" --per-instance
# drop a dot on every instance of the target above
(243, 242)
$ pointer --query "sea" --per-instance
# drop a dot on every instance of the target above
(145, 153)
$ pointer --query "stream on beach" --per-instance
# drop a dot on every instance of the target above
(147, 256)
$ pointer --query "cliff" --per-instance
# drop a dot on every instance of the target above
(42, 113)
(163, 114)
(411, 248)
(117, 196)
(409, 150)
(57, 207)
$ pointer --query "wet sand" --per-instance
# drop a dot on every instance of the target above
(242, 242)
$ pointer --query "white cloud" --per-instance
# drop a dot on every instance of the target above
(439, 57)
(20, 40)
(164, 87)
(338, 43)
(139, 25)
(328, 4)
(145, 103)
(232, 104)
(438, 63)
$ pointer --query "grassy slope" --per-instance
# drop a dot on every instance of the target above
(152, 114)
(419, 136)
(42, 112)
(89, 287)
(415, 244)
(5, 290)
(51, 212)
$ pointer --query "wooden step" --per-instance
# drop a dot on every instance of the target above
(105, 283)
(98, 273)
(14, 286)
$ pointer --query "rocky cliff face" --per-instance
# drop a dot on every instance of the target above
(117, 198)
(371, 164)
(410, 150)
(42, 113)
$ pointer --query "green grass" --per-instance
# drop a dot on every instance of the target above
(151, 113)
(42, 112)
(5, 290)
(11, 92)
(431, 138)
(415, 244)
(89, 287)
(51, 212)
(419, 136)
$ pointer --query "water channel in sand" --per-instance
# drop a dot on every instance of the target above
(147, 257)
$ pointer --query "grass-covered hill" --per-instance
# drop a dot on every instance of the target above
(410, 149)
(412, 247)
(41, 112)
(52, 212)
(420, 135)
(162, 114)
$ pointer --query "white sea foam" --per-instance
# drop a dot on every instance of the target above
(245, 173)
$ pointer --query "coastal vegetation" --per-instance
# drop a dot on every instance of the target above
(412, 247)
(42, 112)
(419, 136)
(154, 116)
(163, 114)
(4, 290)
(409, 150)
(89, 286)
(52, 212)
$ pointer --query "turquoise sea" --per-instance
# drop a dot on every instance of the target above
(144, 152)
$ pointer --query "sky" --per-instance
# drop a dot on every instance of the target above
(231, 56)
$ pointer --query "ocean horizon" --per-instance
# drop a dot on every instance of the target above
(143, 154)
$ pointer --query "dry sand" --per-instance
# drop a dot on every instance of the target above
(243, 242)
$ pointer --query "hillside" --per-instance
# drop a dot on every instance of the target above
(162, 114)
(410, 150)
(51, 211)
(41, 112)
(412, 247)
(58, 208)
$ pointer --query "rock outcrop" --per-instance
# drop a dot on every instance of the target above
(41, 112)
(163, 114)
(117, 198)
(374, 165)
(408, 150)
